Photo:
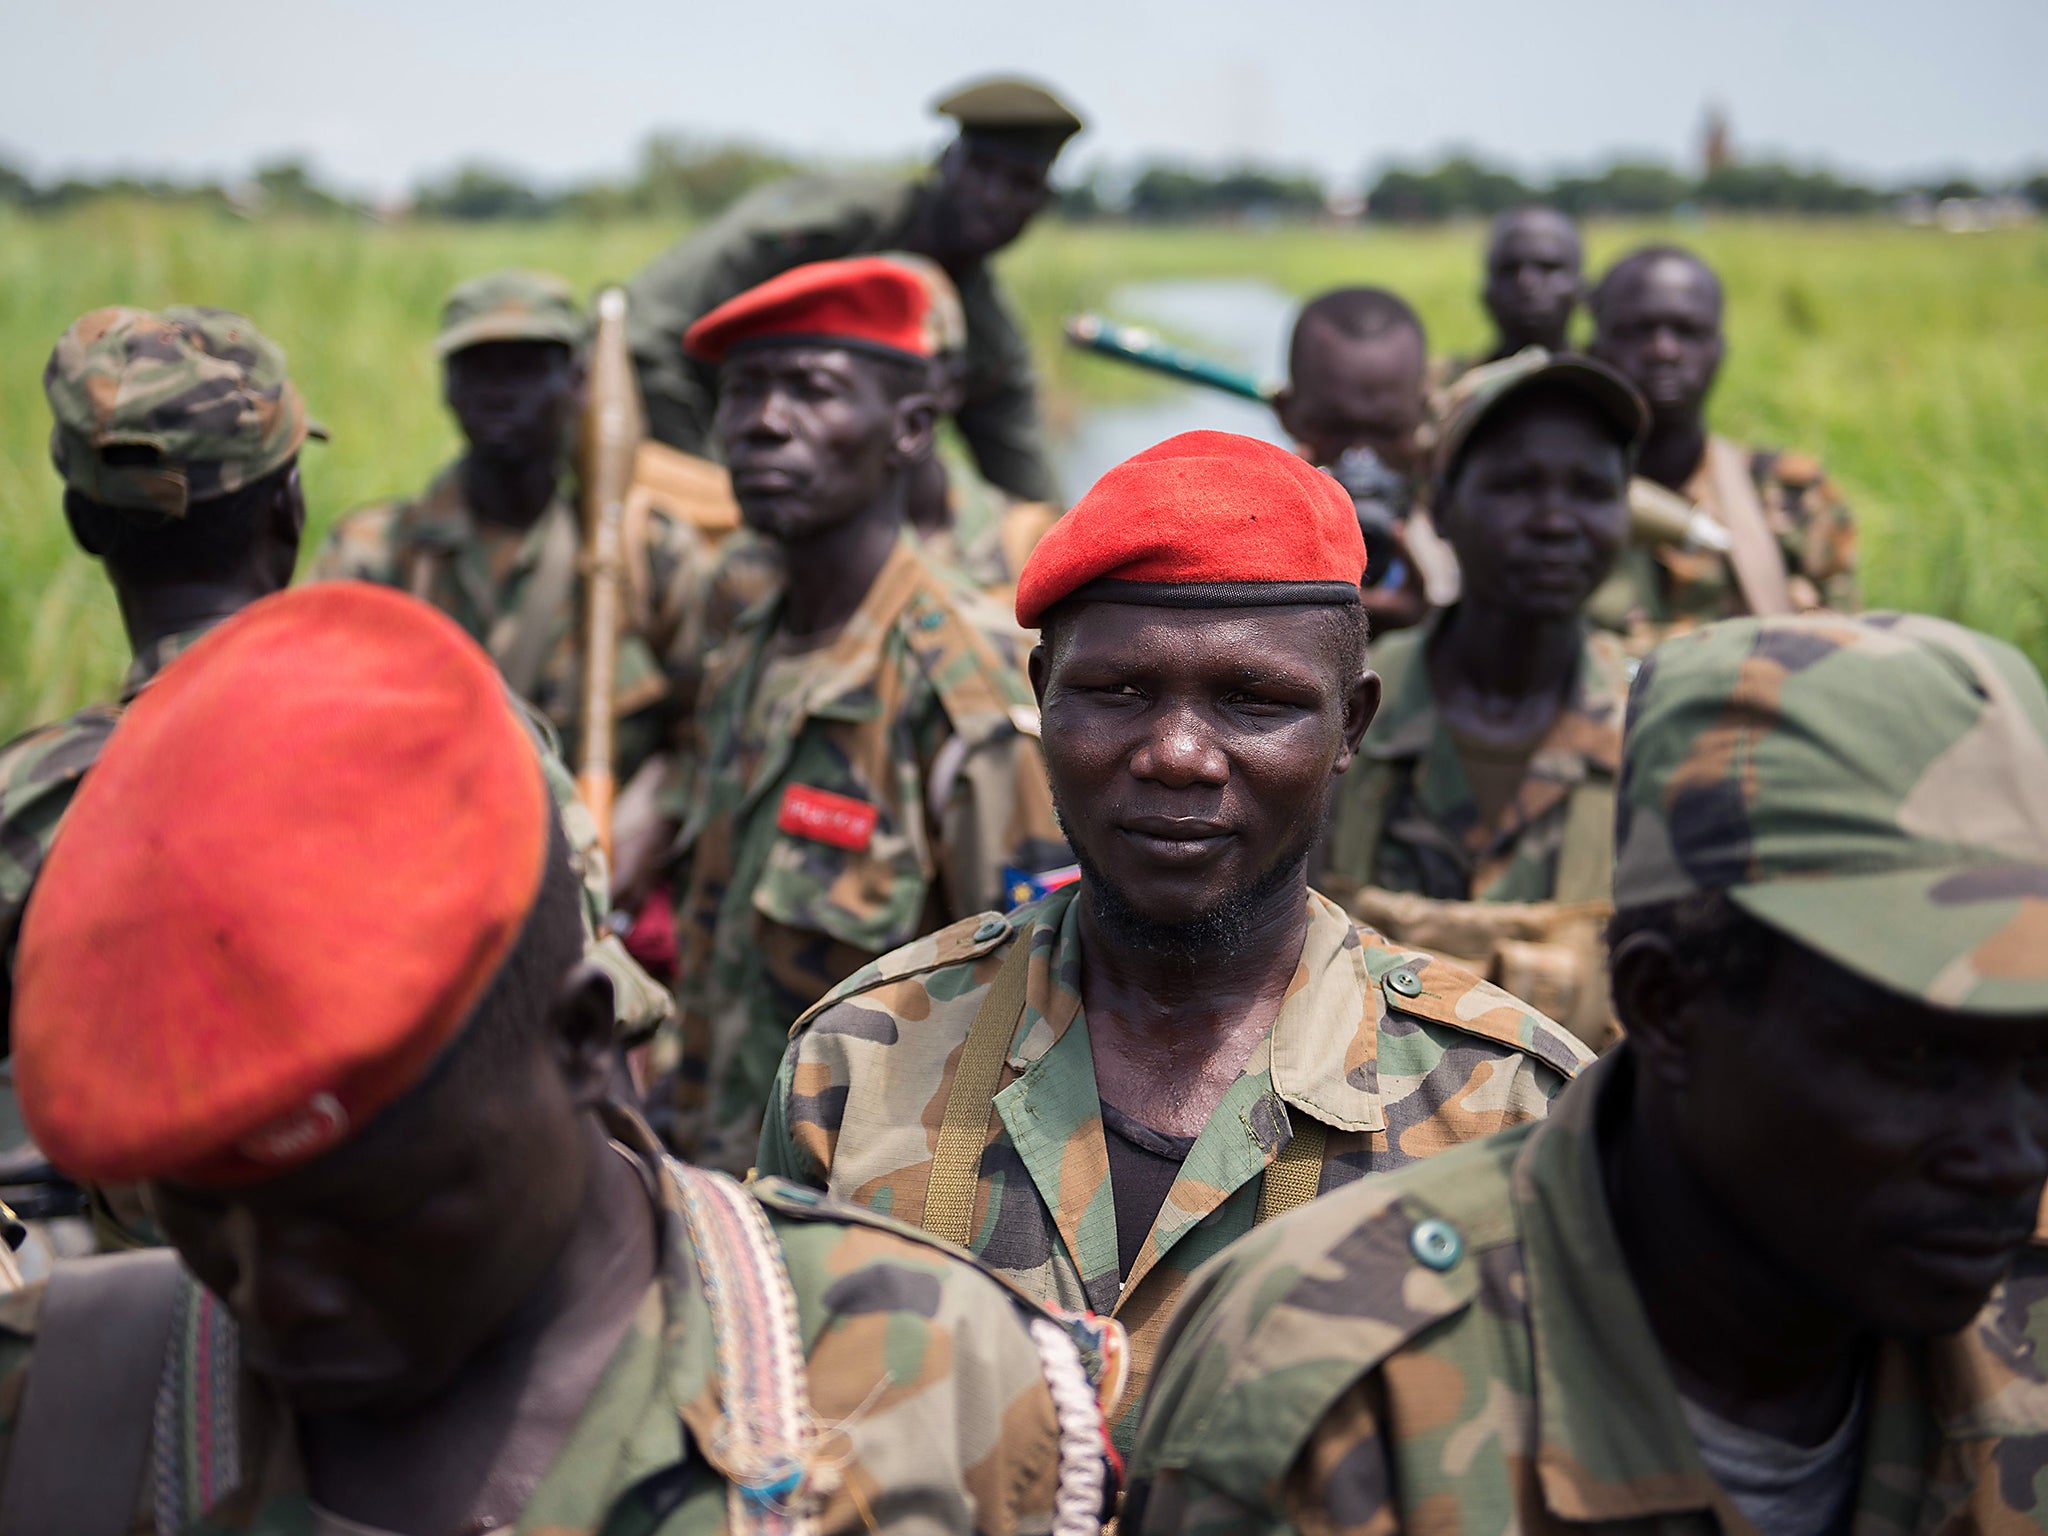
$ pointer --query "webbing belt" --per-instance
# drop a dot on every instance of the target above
(1296, 1170)
(963, 1133)
(1291, 1178)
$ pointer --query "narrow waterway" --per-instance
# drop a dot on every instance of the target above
(1240, 321)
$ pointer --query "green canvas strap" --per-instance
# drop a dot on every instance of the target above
(963, 1132)
(1296, 1171)
(1585, 859)
(521, 640)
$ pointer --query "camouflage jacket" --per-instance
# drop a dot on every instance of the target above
(921, 1369)
(908, 791)
(434, 549)
(820, 218)
(1398, 1054)
(1460, 1348)
(41, 771)
(1815, 531)
(1405, 819)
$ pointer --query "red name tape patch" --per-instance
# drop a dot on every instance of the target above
(823, 817)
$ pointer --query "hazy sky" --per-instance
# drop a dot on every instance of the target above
(378, 91)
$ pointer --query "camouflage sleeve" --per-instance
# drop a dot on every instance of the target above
(779, 1156)
(1342, 1483)
(39, 775)
(931, 1374)
(999, 418)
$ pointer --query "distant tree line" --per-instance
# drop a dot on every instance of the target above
(678, 175)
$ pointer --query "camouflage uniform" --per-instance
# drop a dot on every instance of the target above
(1461, 1346)
(1398, 1054)
(905, 783)
(928, 1385)
(518, 592)
(1405, 819)
(817, 218)
(1815, 532)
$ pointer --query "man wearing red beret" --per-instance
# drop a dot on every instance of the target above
(869, 767)
(1104, 1088)
(427, 1275)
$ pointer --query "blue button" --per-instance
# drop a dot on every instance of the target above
(991, 928)
(1405, 982)
(1436, 1243)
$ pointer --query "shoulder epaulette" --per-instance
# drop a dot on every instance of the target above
(957, 943)
(1425, 986)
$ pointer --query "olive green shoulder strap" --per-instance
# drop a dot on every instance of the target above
(1585, 859)
(1365, 794)
(963, 1132)
(1296, 1171)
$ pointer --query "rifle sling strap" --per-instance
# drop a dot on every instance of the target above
(963, 1132)
(521, 639)
(1753, 553)
(82, 1441)
(1296, 1170)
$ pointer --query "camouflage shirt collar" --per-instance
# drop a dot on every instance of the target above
(1587, 730)
(442, 520)
(841, 686)
(157, 655)
(1321, 1050)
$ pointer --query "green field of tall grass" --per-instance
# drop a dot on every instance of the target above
(1915, 363)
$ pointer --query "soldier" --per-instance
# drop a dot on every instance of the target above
(1355, 404)
(871, 765)
(495, 544)
(427, 1275)
(1242, 1044)
(177, 437)
(1490, 773)
(1767, 1266)
(195, 511)
(1535, 278)
(1657, 322)
(987, 187)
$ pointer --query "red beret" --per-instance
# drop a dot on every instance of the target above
(1202, 520)
(867, 302)
(278, 894)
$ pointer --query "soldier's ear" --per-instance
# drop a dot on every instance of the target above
(1286, 406)
(1035, 666)
(1361, 703)
(1654, 1005)
(916, 421)
(580, 1030)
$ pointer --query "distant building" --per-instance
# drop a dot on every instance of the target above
(1717, 148)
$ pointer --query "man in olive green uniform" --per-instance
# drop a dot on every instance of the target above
(1657, 321)
(1535, 279)
(495, 544)
(1773, 1265)
(195, 512)
(985, 190)
(1489, 774)
(1103, 1089)
(425, 1274)
(871, 767)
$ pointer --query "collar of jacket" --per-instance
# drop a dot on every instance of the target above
(1598, 1365)
(1587, 730)
(1322, 1049)
(842, 681)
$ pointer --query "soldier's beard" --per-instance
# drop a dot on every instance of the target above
(1221, 932)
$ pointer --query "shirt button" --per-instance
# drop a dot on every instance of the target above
(992, 927)
(1405, 982)
(1436, 1243)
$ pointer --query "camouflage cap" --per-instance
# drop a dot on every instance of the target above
(1482, 391)
(512, 305)
(201, 392)
(1875, 787)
